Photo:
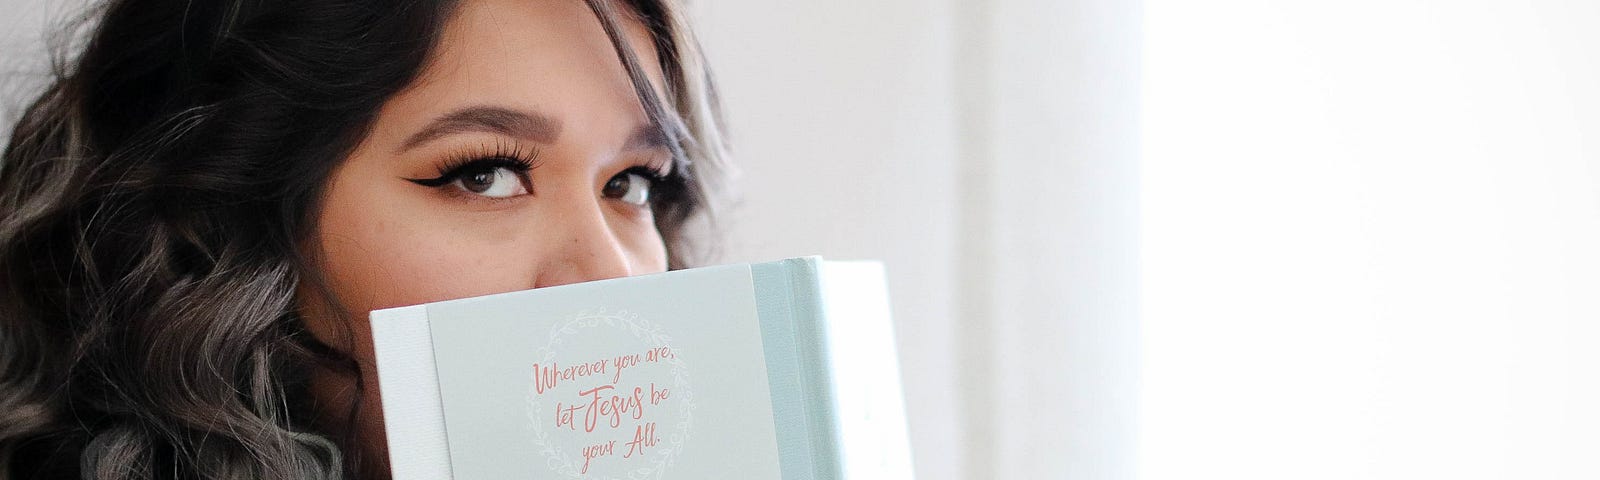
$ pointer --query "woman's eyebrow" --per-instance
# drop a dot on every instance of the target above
(532, 126)
(645, 136)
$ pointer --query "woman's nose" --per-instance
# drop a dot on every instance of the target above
(588, 249)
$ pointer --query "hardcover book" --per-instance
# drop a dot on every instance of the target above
(778, 370)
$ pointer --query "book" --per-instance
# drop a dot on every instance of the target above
(776, 370)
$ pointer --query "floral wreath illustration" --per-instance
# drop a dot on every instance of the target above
(642, 329)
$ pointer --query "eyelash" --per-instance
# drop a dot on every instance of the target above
(664, 187)
(653, 171)
(511, 157)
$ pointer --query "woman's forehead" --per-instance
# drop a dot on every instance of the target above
(550, 56)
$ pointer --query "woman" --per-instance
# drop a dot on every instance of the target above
(196, 216)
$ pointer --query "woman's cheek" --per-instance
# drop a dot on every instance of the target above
(637, 229)
(433, 263)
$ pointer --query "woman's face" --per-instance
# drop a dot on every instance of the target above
(520, 158)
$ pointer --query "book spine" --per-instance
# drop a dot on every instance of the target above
(408, 385)
(811, 326)
(790, 306)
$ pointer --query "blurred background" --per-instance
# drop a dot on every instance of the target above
(1173, 239)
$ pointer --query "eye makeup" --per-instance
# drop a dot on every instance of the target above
(478, 161)
(484, 172)
(667, 184)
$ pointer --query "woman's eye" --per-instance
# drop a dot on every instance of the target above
(484, 178)
(629, 187)
(492, 177)
(492, 182)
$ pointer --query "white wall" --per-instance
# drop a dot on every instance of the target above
(24, 26)
(1370, 234)
(1051, 246)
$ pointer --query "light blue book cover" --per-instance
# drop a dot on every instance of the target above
(778, 370)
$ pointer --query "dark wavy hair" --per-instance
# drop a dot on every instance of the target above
(154, 201)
